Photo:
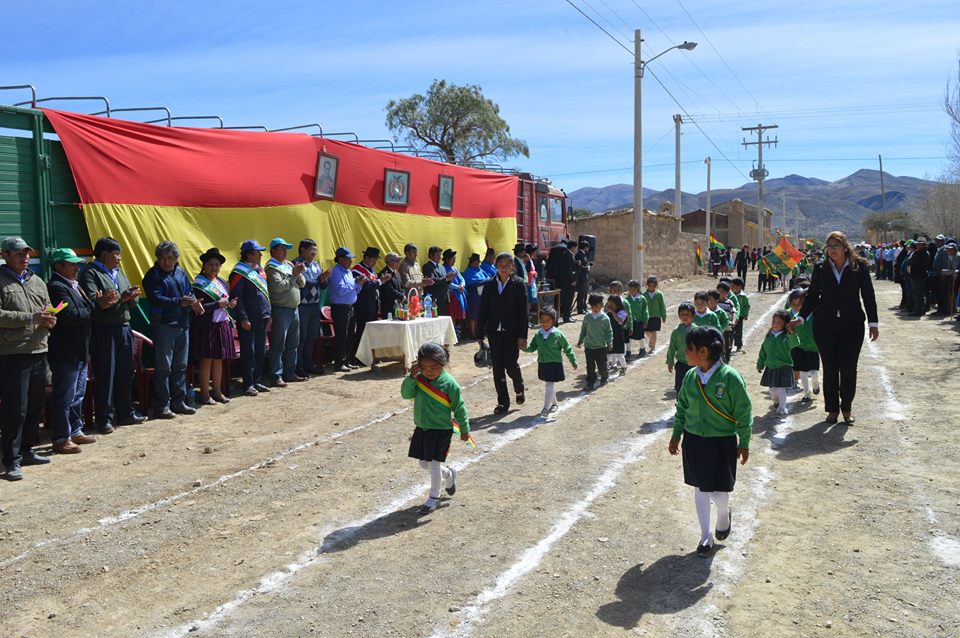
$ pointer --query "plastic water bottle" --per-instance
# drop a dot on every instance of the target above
(428, 305)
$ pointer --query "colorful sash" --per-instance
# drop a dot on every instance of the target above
(253, 274)
(214, 289)
(363, 270)
(713, 407)
(443, 399)
(283, 267)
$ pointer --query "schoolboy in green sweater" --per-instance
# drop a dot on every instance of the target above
(702, 315)
(596, 335)
(637, 307)
(436, 395)
(550, 345)
(743, 302)
(713, 424)
(677, 350)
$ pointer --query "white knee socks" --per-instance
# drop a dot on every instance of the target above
(805, 383)
(702, 501)
(550, 394)
(722, 501)
(438, 474)
(815, 377)
(779, 397)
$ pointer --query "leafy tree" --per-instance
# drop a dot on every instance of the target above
(457, 121)
(877, 227)
(578, 213)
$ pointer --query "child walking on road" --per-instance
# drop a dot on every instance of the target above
(637, 307)
(677, 350)
(657, 310)
(806, 355)
(550, 344)
(436, 396)
(712, 426)
(619, 323)
(597, 335)
(775, 361)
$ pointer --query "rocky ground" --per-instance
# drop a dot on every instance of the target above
(293, 514)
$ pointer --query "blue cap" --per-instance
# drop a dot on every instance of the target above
(343, 251)
(279, 241)
(249, 245)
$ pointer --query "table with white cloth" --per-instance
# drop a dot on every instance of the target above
(400, 340)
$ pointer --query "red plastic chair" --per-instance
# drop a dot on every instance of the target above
(320, 349)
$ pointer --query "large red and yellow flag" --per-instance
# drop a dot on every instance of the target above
(142, 184)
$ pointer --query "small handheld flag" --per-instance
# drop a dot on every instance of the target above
(60, 306)
(456, 430)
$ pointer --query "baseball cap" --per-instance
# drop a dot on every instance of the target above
(279, 241)
(250, 245)
(343, 252)
(66, 254)
(13, 244)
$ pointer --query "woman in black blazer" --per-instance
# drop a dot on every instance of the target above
(503, 319)
(833, 302)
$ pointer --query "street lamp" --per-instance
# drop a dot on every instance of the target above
(639, 65)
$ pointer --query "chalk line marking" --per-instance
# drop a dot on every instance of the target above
(477, 610)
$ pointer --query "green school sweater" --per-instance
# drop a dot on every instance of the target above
(723, 317)
(429, 414)
(596, 332)
(708, 319)
(656, 306)
(552, 348)
(728, 393)
(775, 352)
(637, 307)
(677, 350)
(802, 336)
(744, 302)
(736, 305)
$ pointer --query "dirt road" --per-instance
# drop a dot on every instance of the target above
(293, 514)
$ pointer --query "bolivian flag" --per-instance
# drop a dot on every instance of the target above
(716, 244)
(784, 256)
(699, 256)
(142, 183)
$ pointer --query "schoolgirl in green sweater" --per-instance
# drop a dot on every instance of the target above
(775, 361)
(550, 344)
(806, 355)
(657, 312)
(636, 305)
(436, 396)
(712, 426)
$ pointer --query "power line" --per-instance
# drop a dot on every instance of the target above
(722, 59)
(919, 107)
(612, 26)
(609, 35)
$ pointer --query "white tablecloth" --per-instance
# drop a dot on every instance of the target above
(396, 339)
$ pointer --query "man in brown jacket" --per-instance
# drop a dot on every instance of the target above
(25, 324)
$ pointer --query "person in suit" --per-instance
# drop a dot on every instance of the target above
(503, 320)
(367, 306)
(562, 269)
(833, 300)
(582, 260)
(434, 271)
(917, 269)
(69, 346)
(391, 288)
(742, 262)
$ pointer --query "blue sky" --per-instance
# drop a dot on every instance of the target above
(845, 80)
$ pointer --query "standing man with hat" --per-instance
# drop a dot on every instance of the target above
(917, 268)
(171, 297)
(310, 310)
(434, 271)
(343, 286)
(284, 281)
(391, 289)
(248, 285)
(582, 260)
(367, 307)
(69, 348)
(111, 339)
(25, 324)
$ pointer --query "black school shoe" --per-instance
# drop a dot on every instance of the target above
(721, 534)
(452, 488)
(704, 549)
(501, 409)
(521, 398)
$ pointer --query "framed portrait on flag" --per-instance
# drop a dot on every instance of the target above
(445, 193)
(396, 187)
(326, 184)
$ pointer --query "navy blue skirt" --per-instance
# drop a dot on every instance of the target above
(550, 371)
(652, 325)
(430, 445)
(804, 360)
(709, 463)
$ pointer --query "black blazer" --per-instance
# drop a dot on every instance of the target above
(440, 284)
(70, 338)
(830, 301)
(507, 310)
(390, 292)
(561, 265)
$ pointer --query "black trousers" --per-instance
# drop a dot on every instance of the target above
(566, 298)
(111, 358)
(505, 352)
(918, 295)
(738, 334)
(23, 384)
(742, 271)
(596, 362)
(582, 293)
(839, 344)
(253, 349)
(344, 325)
(361, 322)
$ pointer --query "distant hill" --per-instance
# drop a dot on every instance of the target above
(823, 206)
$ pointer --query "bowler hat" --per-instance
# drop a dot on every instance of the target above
(473, 257)
(212, 253)
(448, 253)
(372, 252)
(520, 247)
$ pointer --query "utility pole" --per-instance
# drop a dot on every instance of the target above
(707, 232)
(883, 199)
(760, 173)
(677, 121)
(637, 158)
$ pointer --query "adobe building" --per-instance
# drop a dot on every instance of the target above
(733, 222)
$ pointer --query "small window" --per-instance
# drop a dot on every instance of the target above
(542, 207)
(556, 210)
